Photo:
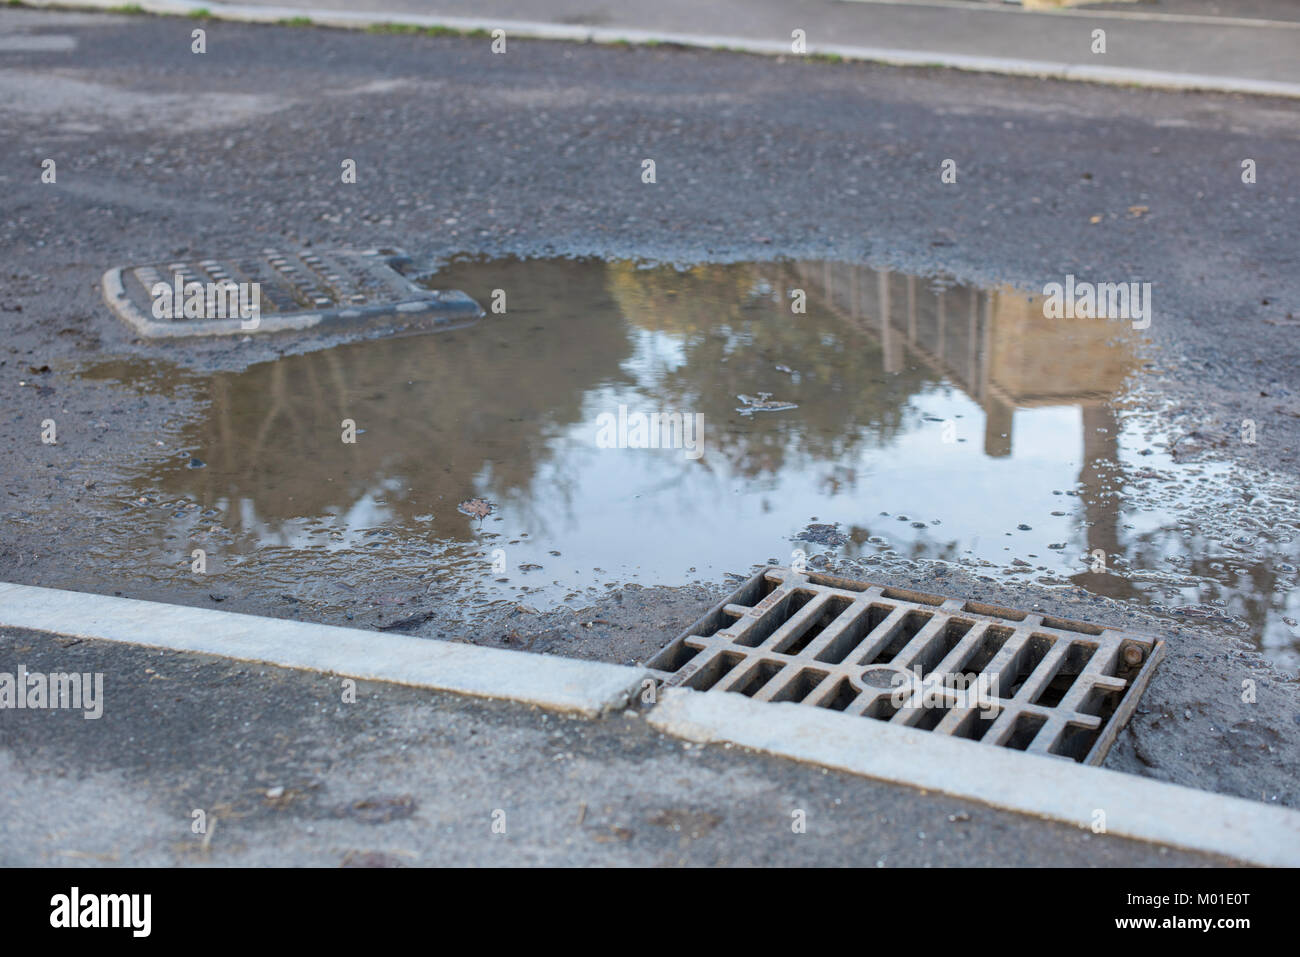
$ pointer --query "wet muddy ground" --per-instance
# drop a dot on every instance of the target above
(966, 445)
(917, 447)
(967, 429)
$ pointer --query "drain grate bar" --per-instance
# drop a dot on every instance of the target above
(999, 676)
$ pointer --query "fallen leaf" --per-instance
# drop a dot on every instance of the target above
(380, 809)
(763, 403)
(476, 508)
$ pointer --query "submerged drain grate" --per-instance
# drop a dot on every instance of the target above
(296, 290)
(995, 675)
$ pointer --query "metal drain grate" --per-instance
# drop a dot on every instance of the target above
(995, 675)
(297, 290)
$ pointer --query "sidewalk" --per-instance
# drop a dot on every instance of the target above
(1168, 50)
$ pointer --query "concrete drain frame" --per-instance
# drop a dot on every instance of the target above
(999, 676)
(298, 290)
(1137, 806)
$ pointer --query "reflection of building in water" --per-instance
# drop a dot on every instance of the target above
(1000, 349)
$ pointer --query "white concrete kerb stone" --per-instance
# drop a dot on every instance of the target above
(588, 688)
(1060, 790)
(1057, 789)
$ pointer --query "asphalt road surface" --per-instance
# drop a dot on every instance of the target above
(286, 773)
(164, 152)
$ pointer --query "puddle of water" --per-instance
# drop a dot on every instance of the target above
(930, 421)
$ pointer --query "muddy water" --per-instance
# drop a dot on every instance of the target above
(929, 421)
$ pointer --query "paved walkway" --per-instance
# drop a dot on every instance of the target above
(1175, 49)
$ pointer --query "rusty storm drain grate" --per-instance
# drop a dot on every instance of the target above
(295, 290)
(994, 675)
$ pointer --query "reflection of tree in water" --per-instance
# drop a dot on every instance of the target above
(734, 326)
(437, 411)
(478, 410)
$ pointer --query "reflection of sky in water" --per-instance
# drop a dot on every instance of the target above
(507, 411)
(653, 511)
(654, 354)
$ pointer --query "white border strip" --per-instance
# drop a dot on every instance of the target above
(589, 688)
(1061, 790)
(1202, 19)
(559, 31)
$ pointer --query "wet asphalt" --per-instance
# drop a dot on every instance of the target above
(165, 153)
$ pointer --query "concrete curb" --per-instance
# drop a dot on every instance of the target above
(1059, 790)
(557, 31)
(1135, 807)
(588, 688)
(1090, 13)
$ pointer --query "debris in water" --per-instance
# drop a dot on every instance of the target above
(764, 403)
(476, 508)
(822, 534)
